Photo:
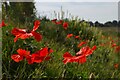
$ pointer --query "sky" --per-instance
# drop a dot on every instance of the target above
(90, 11)
(77, 0)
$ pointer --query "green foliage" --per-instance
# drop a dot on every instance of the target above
(18, 12)
(100, 63)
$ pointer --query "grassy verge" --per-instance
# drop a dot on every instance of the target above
(99, 65)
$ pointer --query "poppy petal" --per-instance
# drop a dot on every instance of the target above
(65, 25)
(44, 52)
(2, 24)
(65, 61)
(37, 36)
(82, 60)
(36, 25)
(16, 31)
(47, 58)
(16, 38)
(17, 57)
(22, 36)
(29, 59)
(23, 52)
(51, 51)
(94, 47)
(69, 35)
(82, 43)
(67, 55)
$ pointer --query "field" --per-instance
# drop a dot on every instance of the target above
(115, 31)
(61, 38)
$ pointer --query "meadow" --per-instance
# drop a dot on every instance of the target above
(65, 41)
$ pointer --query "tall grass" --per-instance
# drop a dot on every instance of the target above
(99, 65)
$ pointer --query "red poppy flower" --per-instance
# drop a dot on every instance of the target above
(16, 31)
(117, 49)
(59, 22)
(2, 24)
(17, 57)
(65, 25)
(76, 37)
(68, 58)
(82, 60)
(69, 35)
(29, 59)
(36, 25)
(23, 34)
(45, 51)
(36, 57)
(80, 56)
(82, 43)
(20, 56)
(114, 45)
(39, 56)
(23, 52)
(37, 36)
(116, 66)
(54, 20)
(50, 50)
(84, 51)
(94, 47)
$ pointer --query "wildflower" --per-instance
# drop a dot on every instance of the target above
(116, 66)
(36, 25)
(23, 34)
(17, 57)
(80, 56)
(82, 43)
(69, 35)
(76, 37)
(86, 51)
(39, 56)
(68, 58)
(114, 45)
(59, 22)
(36, 57)
(20, 56)
(2, 24)
(117, 49)
(94, 47)
(65, 25)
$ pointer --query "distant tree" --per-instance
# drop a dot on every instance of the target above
(91, 23)
(115, 23)
(97, 24)
(18, 11)
(108, 24)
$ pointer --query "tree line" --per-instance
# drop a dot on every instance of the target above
(113, 23)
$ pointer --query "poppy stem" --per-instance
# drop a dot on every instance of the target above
(64, 71)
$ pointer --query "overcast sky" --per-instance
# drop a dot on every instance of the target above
(77, 0)
(92, 11)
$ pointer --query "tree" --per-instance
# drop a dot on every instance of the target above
(115, 23)
(21, 12)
